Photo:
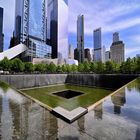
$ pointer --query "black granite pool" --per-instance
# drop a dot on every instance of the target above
(117, 118)
(68, 94)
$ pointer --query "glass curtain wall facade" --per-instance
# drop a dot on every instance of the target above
(37, 24)
(98, 50)
(30, 27)
(1, 30)
(57, 27)
(80, 38)
(115, 37)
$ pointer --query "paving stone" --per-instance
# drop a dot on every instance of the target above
(69, 116)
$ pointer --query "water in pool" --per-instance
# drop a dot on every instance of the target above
(117, 118)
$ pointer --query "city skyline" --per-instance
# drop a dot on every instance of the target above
(122, 17)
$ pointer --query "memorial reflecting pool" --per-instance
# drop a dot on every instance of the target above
(56, 95)
(117, 118)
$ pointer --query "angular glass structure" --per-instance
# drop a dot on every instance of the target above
(57, 27)
(30, 28)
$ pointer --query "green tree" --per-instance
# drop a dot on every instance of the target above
(52, 68)
(40, 67)
(86, 66)
(68, 68)
(64, 68)
(5, 64)
(59, 69)
(81, 67)
(47, 67)
(117, 68)
(74, 68)
(29, 67)
(92, 67)
(17, 65)
(137, 66)
(110, 67)
(128, 66)
(100, 67)
(122, 67)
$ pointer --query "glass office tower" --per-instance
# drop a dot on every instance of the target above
(115, 37)
(80, 38)
(30, 28)
(1, 30)
(98, 50)
(57, 27)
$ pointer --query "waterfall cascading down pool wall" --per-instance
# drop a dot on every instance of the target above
(113, 81)
(94, 80)
(33, 80)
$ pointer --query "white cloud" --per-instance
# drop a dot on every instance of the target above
(132, 51)
(104, 14)
(135, 38)
(123, 24)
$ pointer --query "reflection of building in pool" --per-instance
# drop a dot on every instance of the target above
(118, 100)
(0, 110)
(98, 111)
(25, 118)
(15, 119)
(81, 123)
(39, 120)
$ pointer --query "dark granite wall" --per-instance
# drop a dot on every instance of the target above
(27, 81)
(113, 81)
(98, 80)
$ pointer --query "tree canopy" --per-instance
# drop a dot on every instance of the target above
(130, 66)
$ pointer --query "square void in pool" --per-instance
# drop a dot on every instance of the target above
(68, 94)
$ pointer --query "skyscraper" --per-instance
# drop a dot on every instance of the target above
(76, 54)
(87, 55)
(1, 30)
(107, 56)
(71, 52)
(30, 28)
(57, 27)
(80, 38)
(115, 37)
(117, 51)
(103, 54)
(98, 50)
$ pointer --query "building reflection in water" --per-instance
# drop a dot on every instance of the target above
(81, 123)
(0, 115)
(23, 119)
(118, 100)
(98, 112)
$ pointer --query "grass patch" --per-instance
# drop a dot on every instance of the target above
(90, 96)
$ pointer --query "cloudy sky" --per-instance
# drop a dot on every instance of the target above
(111, 15)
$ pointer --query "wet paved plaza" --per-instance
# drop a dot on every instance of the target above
(117, 118)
